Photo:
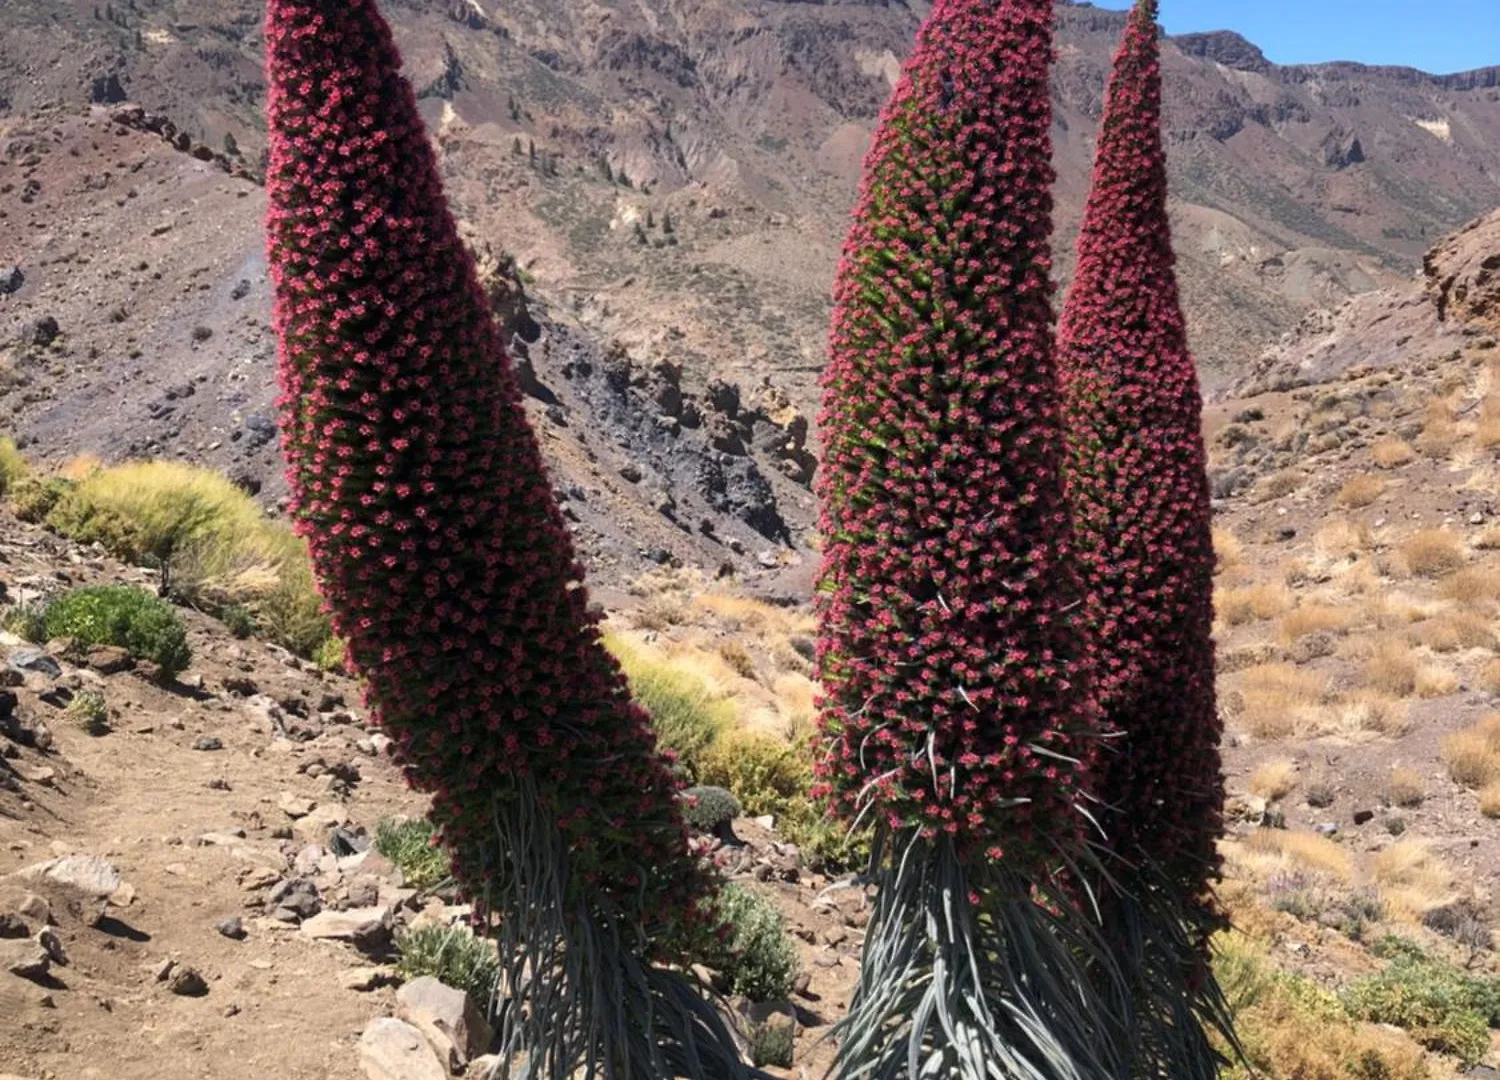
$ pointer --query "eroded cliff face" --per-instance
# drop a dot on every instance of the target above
(1463, 275)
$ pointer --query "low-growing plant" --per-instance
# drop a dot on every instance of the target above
(454, 956)
(1405, 788)
(89, 711)
(709, 809)
(772, 1044)
(144, 625)
(685, 714)
(1360, 491)
(332, 655)
(28, 621)
(12, 465)
(756, 956)
(1433, 553)
(237, 620)
(411, 844)
(1392, 453)
(767, 775)
(1489, 800)
(34, 497)
(1443, 1009)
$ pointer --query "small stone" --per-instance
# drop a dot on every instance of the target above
(13, 926)
(187, 982)
(1362, 816)
(36, 909)
(1327, 828)
(163, 971)
(359, 925)
(49, 940)
(109, 659)
(364, 890)
(296, 806)
(232, 927)
(26, 959)
(208, 742)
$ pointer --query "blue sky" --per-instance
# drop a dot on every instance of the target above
(1440, 36)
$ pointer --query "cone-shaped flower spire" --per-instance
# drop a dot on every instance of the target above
(1139, 496)
(449, 572)
(956, 714)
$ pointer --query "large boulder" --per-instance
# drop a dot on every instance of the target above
(1463, 275)
(448, 1018)
(394, 1050)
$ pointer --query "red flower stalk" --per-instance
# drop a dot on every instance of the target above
(1139, 495)
(451, 576)
(956, 713)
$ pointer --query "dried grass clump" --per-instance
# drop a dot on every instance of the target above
(1405, 788)
(1276, 486)
(1371, 712)
(1274, 780)
(1432, 553)
(1279, 700)
(1360, 491)
(1473, 755)
(1392, 453)
(1439, 431)
(1393, 669)
(1456, 632)
(1297, 849)
(1489, 677)
(1314, 619)
(1436, 682)
(1489, 800)
(1342, 539)
(1236, 607)
(1473, 586)
(1412, 880)
(1228, 551)
(1489, 540)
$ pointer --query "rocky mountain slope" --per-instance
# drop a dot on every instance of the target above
(678, 174)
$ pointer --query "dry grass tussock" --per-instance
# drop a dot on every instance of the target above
(1475, 587)
(1392, 453)
(1411, 879)
(1473, 755)
(1342, 539)
(1228, 551)
(1432, 553)
(1277, 701)
(1455, 632)
(1313, 619)
(1489, 800)
(1393, 669)
(1236, 607)
(1488, 540)
(1440, 432)
(1276, 486)
(1489, 677)
(1274, 779)
(1267, 852)
(1405, 787)
(1360, 491)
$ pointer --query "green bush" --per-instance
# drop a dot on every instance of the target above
(1444, 1009)
(757, 959)
(89, 711)
(27, 621)
(767, 775)
(706, 808)
(237, 620)
(131, 618)
(12, 465)
(34, 497)
(772, 1044)
(452, 955)
(410, 845)
(332, 655)
(685, 715)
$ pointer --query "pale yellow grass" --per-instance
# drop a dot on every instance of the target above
(1392, 453)
(1280, 700)
(1393, 669)
(1489, 800)
(1436, 682)
(1315, 618)
(1473, 586)
(1360, 491)
(1274, 779)
(1455, 632)
(1369, 712)
(1432, 553)
(1236, 607)
(1489, 677)
(1488, 540)
(1228, 551)
(1405, 787)
(1439, 431)
(1276, 486)
(1473, 755)
(1411, 879)
(1342, 539)
(1278, 849)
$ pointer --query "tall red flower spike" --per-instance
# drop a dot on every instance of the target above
(956, 714)
(449, 572)
(1139, 495)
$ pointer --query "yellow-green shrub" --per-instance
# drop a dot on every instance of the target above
(12, 465)
(686, 715)
(767, 775)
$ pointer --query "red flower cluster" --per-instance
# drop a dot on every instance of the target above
(954, 690)
(1138, 490)
(420, 488)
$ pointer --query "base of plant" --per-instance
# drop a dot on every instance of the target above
(965, 990)
(1175, 1006)
(577, 996)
